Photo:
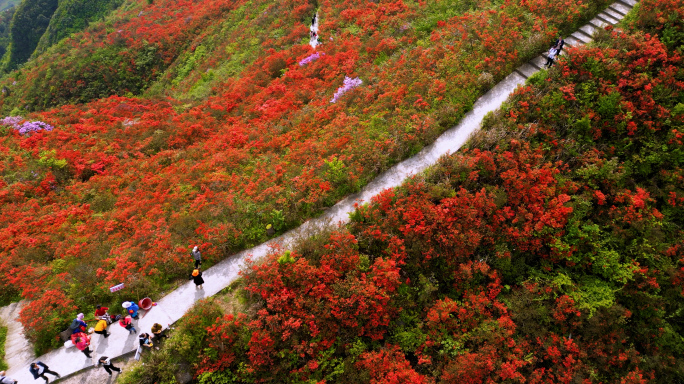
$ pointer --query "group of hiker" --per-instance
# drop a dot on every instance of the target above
(80, 338)
(554, 51)
(79, 334)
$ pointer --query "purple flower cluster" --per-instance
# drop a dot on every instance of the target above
(12, 120)
(25, 127)
(310, 58)
(347, 86)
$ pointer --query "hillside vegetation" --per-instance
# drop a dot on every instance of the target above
(73, 16)
(234, 128)
(30, 20)
(38, 24)
(549, 251)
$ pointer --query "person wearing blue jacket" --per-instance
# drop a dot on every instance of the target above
(78, 325)
(38, 369)
(131, 308)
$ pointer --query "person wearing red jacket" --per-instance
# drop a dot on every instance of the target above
(82, 342)
(126, 322)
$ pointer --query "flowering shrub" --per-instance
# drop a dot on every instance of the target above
(347, 86)
(123, 187)
(25, 127)
(310, 58)
(549, 251)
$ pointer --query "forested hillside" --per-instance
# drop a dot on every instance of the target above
(38, 24)
(73, 16)
(116, 190)
(5, 20)
(30, 20)
(550, 251)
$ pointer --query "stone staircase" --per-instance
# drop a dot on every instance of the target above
(610, 16)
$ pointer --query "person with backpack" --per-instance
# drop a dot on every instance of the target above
(101, 328)
(38, 369)
(551, 56)
(82, 342)
(107, 364)
(78, 325)
(131, 308)
(196, 277)
(127, 323)
(6, 380)
(197, 255)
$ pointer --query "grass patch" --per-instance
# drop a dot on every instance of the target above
(3, 338)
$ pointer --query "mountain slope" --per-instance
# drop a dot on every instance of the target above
(550, 251)
(73, 16)
(96, 193)
(29, 22)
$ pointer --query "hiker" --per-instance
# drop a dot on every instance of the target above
(559, 44)
(145, 340)
(101, 313)
(78, 325)
(196, 277)
(131, 308)
(159, 332)
(127, 323)
(552, 55)
(101, 328)
(82, 342)
(313, 20)
(197, 256)
(6, 380)
(107, 364)
(38, 369)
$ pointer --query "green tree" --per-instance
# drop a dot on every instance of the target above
(28, 24)
(73, 16)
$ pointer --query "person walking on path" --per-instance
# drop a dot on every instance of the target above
(6, 380)
(101, 328)
(78, 325)
(107, 364)
(131, 308)
(197, 255)
(159, 332)
(82, 342)
(127, 323)
(101, 313)
(196, 277)
(551, 55)
(38, 369)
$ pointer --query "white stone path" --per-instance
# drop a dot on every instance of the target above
(68, 361)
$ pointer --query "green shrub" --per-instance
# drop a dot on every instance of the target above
(179, 352)
(3, 338)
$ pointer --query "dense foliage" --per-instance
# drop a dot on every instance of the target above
(122, 187)
(179, 352)
(5, 20)
(3, 338)
(549, 251)
(29, 22)
(73, 16)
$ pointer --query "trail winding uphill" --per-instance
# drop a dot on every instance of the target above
(69, 361)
